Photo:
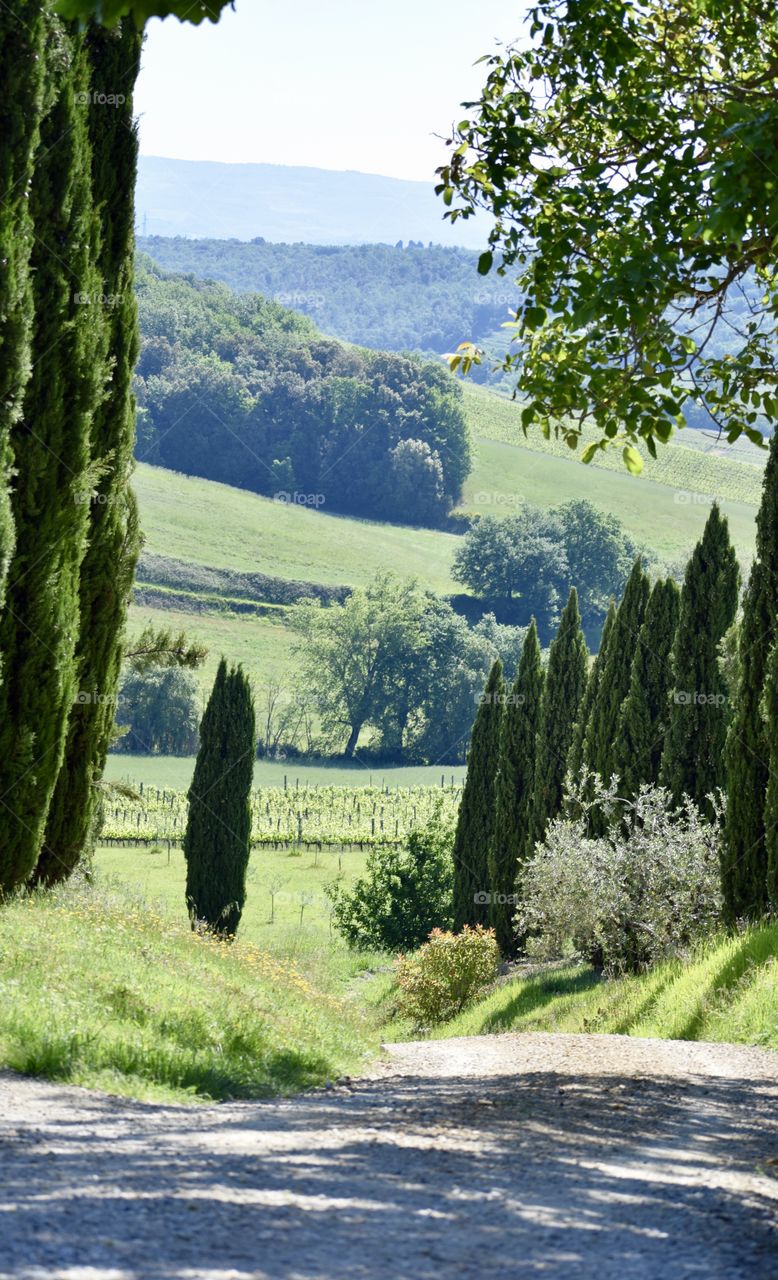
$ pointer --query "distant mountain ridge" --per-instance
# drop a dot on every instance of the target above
(206, 199)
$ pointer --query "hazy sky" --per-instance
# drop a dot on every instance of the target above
(353, 84)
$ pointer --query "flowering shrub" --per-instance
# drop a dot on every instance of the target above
(645, 891)
(446, 973)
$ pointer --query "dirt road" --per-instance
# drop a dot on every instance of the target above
(589, 1157)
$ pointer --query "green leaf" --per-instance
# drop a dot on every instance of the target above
(632, 460)
(590, 451)
(485, 263)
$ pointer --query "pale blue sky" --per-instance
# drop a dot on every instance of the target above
(353, 84)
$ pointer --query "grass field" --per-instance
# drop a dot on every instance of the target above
(668, 520)
(225, 528)
(160, 878)
(212, 524)
(727, 991)
(175, 772)
(262, 645)
(102, 988)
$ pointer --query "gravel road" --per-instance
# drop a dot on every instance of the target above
(589, 1157)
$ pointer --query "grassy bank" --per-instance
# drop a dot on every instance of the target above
(99, 988)
(727, 991)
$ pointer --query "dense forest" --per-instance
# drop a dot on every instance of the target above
(404, 297)
(237, 388)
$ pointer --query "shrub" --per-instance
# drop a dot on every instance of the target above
(404, 894)
(444, 975)
(646, 890)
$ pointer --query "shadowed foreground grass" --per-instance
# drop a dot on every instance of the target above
(726, 991)
(97, 988)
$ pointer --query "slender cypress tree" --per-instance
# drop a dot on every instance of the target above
(23, 29)
(108, 567)
(563, 693)
(693, 758)
(770, 709)
(576, 757)
(218, 829)
(744, 863)
(475, 822)
(645, 711)
(514, 786)
(39, 626)
(599, 749)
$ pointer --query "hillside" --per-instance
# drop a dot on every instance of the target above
(401, 298)
(239, 389)
(204, 198)
(192, 526)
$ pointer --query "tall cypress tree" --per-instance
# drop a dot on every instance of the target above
(770, 711)
(108, 567)
(744, 863)
(475, 822)
(645, 711)
(514, 786)
(693, 757)
(39, 626)
(576, 757)
(23, 29)
(599, 749)
(218, 829)
(563, 693)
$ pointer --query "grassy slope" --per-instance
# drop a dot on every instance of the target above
(154, 878)
(102, 990)
(213, 524)
(665, 508)
(262, 645)
(221, 527)
(216, 525)
(728, 991)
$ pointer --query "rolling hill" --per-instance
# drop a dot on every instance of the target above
(193, 525)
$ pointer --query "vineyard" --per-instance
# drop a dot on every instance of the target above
(683, 465)
(304, 816)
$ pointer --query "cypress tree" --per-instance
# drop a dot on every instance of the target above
(39, 626)
(22, 62)
(744, 863)
(514, 786)
(770, 709)
(563, 693)
(475, 822)
(108, 567)
(599, 749)
(218, 829)
(576, 757)
(645, 711)
(693, 757)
